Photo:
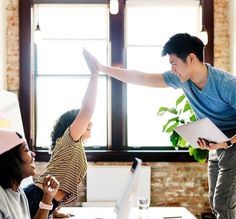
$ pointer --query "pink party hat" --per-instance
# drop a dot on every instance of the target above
(8, 140)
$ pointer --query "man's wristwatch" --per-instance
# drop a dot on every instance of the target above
(229, 144)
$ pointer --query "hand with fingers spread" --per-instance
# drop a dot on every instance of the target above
(93, 64)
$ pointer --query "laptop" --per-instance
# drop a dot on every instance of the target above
(203, 128)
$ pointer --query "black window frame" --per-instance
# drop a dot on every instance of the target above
(117, 142)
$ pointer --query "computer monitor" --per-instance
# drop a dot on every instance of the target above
(129, 195)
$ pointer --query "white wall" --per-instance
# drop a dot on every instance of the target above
(2, 43)
(233, 35)
(105, 184)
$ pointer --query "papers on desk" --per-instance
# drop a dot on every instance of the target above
(203, 128)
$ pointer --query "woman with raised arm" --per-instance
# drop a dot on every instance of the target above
(68, 161)
(17, 163)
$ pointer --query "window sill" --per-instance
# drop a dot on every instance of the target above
(128, 155)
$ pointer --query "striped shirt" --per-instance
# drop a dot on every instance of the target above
(68, 164)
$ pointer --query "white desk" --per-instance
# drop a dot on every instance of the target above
(108, 213)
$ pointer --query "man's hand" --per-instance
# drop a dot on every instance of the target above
(204, 144)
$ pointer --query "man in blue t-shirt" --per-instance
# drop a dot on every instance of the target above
(212, 94)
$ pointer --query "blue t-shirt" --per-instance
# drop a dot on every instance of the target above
(216, 101)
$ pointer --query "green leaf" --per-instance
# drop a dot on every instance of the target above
(165, 127)
(174, 138)
(198, 154)
(193, 118)
(187, 107)
(173, 111)
(162, 110)
(183, 143)
(172, 127)
(179, 100)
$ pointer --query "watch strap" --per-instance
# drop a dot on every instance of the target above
(45, 206)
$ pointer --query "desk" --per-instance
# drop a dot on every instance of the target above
(108, 213)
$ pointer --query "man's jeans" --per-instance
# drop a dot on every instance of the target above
(222, 182)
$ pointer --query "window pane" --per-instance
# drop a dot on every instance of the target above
(65, 56)
(61, 74)
(83, 21)
(56, 95)
(143, 102)
(144, 45)
(153, 22)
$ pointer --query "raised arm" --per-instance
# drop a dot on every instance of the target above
(128, 76)
(81, 122)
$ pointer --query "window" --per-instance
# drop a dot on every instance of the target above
(144, 46)
(61, 74)
(133, 39)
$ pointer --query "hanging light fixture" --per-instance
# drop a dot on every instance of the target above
(114, 6)
(38, 35)
(203, 35)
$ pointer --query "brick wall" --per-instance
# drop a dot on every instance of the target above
(221, 34)
(2, 44)
(172, 184)
(12, 45)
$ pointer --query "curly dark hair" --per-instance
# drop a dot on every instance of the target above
(63, 122)
(182, 44)
(11, 163)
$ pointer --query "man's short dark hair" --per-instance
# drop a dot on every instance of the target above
(182, 44)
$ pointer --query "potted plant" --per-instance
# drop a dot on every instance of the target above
(180, 114)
